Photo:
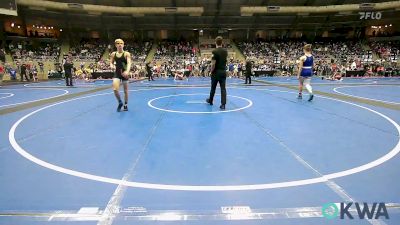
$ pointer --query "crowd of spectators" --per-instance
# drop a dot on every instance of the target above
(87, 50)
(388, 51)
(176, 50)
(330, 57)
(28, 51)
(138, 50)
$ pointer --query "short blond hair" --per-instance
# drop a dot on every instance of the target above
(119, 40)
(307, 47)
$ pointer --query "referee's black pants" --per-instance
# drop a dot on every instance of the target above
(221, 79)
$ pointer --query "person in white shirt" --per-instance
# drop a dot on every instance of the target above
(353, 65)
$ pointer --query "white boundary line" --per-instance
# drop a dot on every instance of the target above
(355, 96)
(9, 95)
(189, 112)
(324, 178)
(185, 83)
(317, 83)
(295, 82)
(33, 86)
(63, 86)
(91, 84)
(23, 89)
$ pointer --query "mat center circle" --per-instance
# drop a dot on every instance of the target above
(196, 103)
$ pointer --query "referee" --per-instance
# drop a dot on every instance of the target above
(248, 71)
(218, 72)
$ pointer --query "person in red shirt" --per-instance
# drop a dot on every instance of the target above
(189, 68)
(1, 71)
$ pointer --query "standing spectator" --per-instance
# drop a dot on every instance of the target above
(13, 73)
(23, 72)
(2, 71)
(59, 69)
(68, 69)
(41, 67)
(2, 56)
(34, 73)
(149, 71)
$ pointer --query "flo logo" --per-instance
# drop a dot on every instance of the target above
(374, 211)
(370, 15)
